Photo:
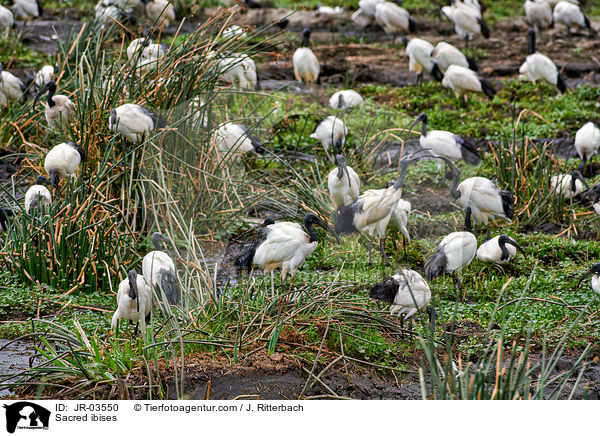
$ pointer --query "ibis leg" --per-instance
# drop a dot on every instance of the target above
(382, 248)
(371, 249)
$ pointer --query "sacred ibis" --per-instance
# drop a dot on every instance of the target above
(462, 80)
(365, 15)
(568, 185)
(441, 143)
(11, 88)
(159, 270)
(245, 255)
(481, 198)
(394, 19)
(44, 75)
(233, 32)
(445, 54)
(59, 109)
(500, 249)
(239, 70)
(284, 245)
(7, 21)
(134, 122)
(161, 12)
(456, 251)
(62, 161)
(37, 194)
(420, 61)
(539, 14)
(331, 131)
(305, 62)
(594, 271)
(467, 20)
(343, 184)
(407, 292)
(26, 10)
(371, 213)
(399, 221)
(345, 99)
(571, 16)
(143, 49)
(234, 139)
(538, 66)
(587, 143)
(134, 301)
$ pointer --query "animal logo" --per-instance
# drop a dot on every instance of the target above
(25, 414)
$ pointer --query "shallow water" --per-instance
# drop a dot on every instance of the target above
(13, 359)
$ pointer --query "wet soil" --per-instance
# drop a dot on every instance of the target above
(14, 358)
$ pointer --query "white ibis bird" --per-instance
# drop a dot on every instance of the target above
(587, 143)
(394, 19)
(481, 198)
(568, 185)
(59, 109)
(345, 99)
(420, 61)
(445, 54)
(114, 10)
(159, 270)
(305, 62)
(7, 21)
(134, 122)
(371, 213)
(44, 75)
(462, 81)
(407, 293)
(284, 245)
(441, 143)
(365, 15)
(62, 161)
(331, 131)
(500, 249)
(539, 14)
(161, 12)
(11, 87)
(145, 49)
(26, 10)
(467, 20)
(239, 70)
(134, 301)
(234, 31)
(538, 66)
(399, 220)
(594, 271)
(456, 251)
(234, 139)
(328, 10)
(37, 194)
(570, 15)
(343, 184)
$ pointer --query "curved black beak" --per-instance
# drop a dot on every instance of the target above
(576, 175)
(324, 225)
(133, 289)
(512, 242)
(44, 89)
(593, 270)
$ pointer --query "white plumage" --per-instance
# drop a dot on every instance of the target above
(594, 271)
(44, 75)
(467, 20)
(539, 67)
(368, 7)
(133, 122)
(159, 271)
(456, 251)
(59, 109)
(419, 57)
(500, 249)
(331, 131)
(399, 218)
(63, 161)
(11, 88)
(393, 18)
(343, 184)
(485, 200)
(25, 10)
(239, 70)
(568, 185)
(406, 291)
(462, 81)
(445, 54)
(7, 20)
(305, 62)
(587, 142)
(538, 13)
(234, 31)
(145, 49)
(571, 16)
(160, 11)
(234, 139)
(36, 195)
(134, 300)
(328, 10)
(345, 99)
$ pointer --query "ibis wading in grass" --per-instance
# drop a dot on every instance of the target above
(467, 20)
(343, 184)
(419, 59)
(134, 122)
(594, 271)
(445, 54)
(456, 251)
(331, 131)
(538, 67)
(234, 140)
(37, 195)
(481, 198)
(571, 16)
(407, 293)
(240, 71)
(345, 99)
(11, 87)
(305, 62)
(568, 185)
(539, 14)
(62, 162)
(394, 19)
(134, 300)
(463, 81)
(59, 109)
(499, 249)
(284, 245)
(159, 270)
(587, 143)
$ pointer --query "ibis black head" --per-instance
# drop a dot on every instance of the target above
(437, 73)
(433, 316)
(80, 150)
(49, 87)
(113, 119)
(268, 221)
(593, 270)
(531, 41)
(340, 104)
(158, 239)
(133, 289)
(594, 192)
(41, 180)
(576, 175)
(311, 219)
(306, 37)
(422, 118)
(502, 241)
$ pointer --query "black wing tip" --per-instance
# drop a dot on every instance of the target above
(487, 88)
(485, 30)
(385, 290)
(170, 287)
(472, 64)
(560, 83)
(412, 25)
